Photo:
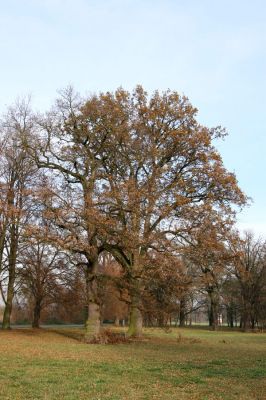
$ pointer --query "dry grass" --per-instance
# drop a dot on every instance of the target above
(181, 364)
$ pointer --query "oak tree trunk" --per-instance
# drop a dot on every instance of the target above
(213, 310)
(135, 316)
(93, 322)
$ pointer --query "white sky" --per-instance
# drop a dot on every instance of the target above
(213, 52)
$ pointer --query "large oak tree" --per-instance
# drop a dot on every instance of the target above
(134, 173)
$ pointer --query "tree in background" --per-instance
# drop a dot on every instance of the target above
(249, 268)
(16, 181)
(39, 275)
(210, 256)
(114, 293)
(231, 299)
(166, 283)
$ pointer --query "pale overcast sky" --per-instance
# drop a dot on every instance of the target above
(212, 51)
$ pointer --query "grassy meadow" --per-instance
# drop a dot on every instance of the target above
(180, 364)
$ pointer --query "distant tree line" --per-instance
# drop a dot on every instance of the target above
(118, 206)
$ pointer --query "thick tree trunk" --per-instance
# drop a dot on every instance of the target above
(36, 314)
(135, 316)
(93, 322)
(135, 323)
(9, 300)
(213, 310)
(7, 316)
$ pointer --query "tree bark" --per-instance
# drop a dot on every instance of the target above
(135, 318)
(36, 314)
(230, 315)
(213, 317)
(11, 278)
(245, 319)
(7, 314)
(182, 312)
(93, 322)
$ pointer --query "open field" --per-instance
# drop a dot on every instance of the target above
(182, 364)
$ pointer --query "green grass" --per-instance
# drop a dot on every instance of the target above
(199, 364)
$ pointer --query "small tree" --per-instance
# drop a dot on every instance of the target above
(209, 253)
(39, 275)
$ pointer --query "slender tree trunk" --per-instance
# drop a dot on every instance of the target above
(116, 321)
(245, 319)
(11, 277)
(246, 312)
(230, 316)
(36, 314)
(231, 321)
(161, 321)
(182, 312)
(7, 313)
(235, 319)
(2, 244)
(253, 323)
(252, 316)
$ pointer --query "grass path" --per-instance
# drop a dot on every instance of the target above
(182, 364)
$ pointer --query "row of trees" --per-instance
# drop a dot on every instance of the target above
(126, 177)
(173, 294)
